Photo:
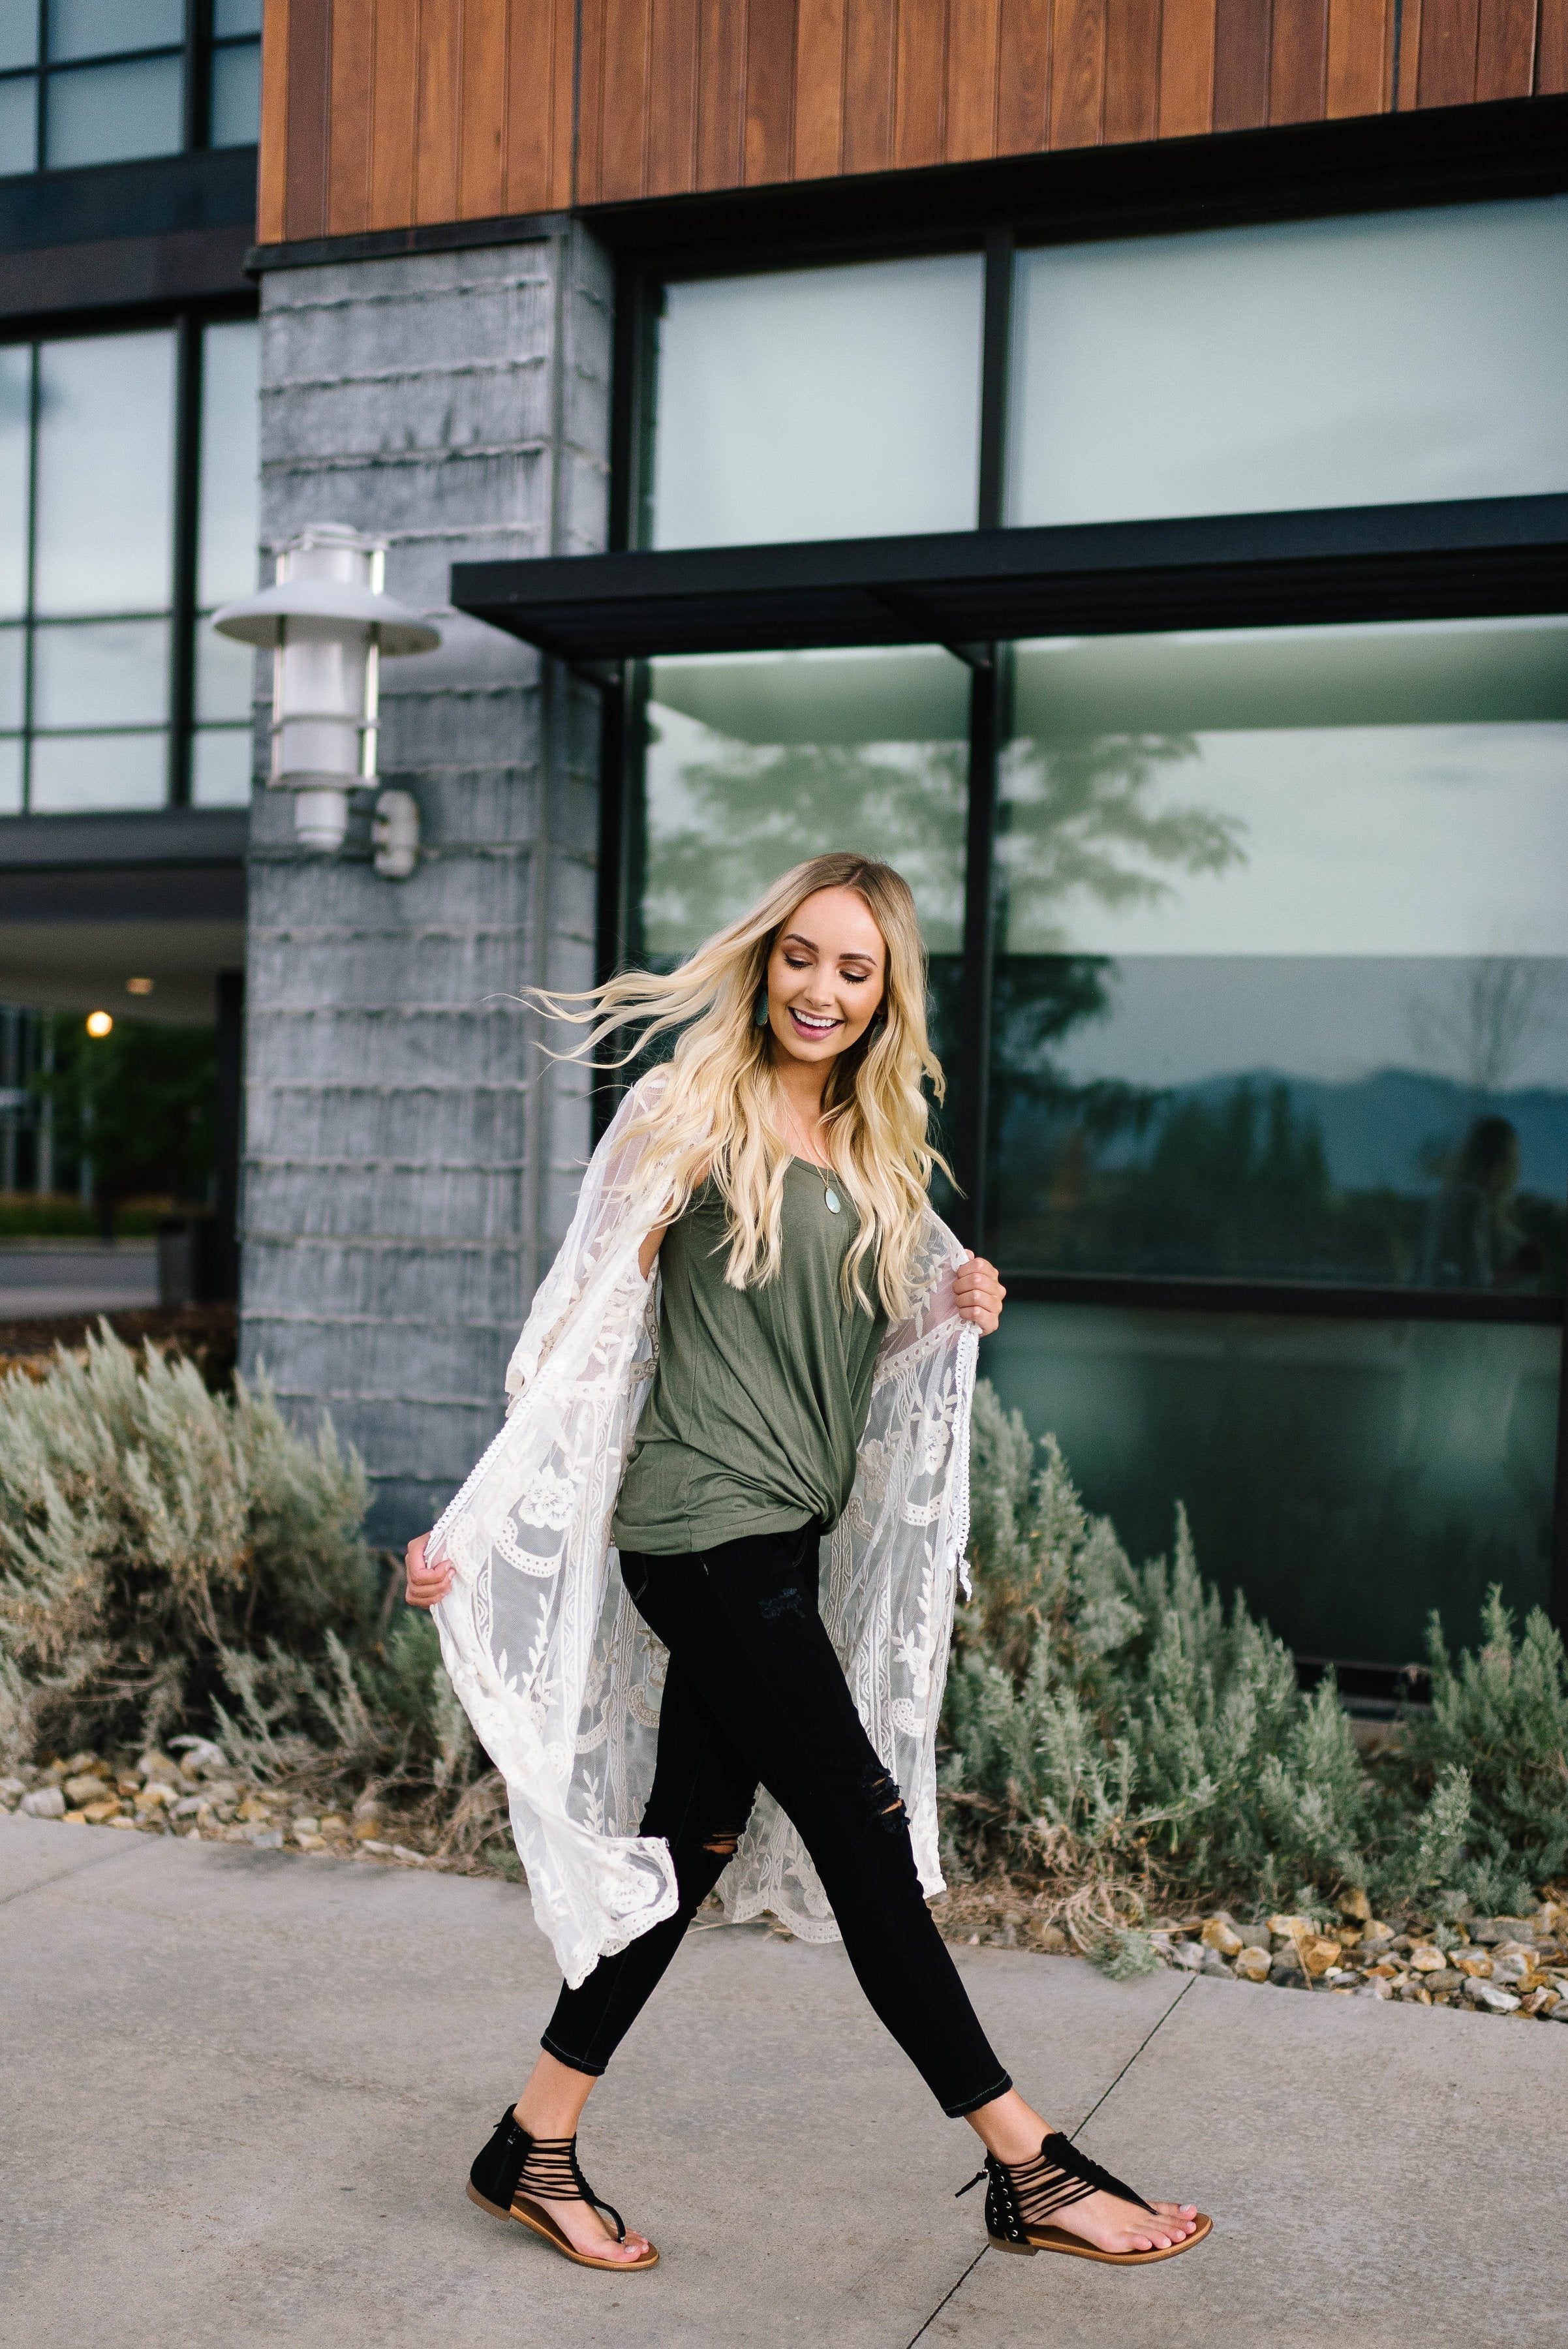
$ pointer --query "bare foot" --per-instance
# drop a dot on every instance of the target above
(1014, 2131)
(586, 2228)
(1113, 2225)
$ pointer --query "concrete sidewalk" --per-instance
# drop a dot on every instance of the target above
(243, 2088)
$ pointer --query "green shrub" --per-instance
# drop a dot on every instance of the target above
(1121, 1737)
(173, 1559)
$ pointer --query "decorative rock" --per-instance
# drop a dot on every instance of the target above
(1425, 1960)
(1498, 1928)
(1448, 1980)
(1290, 1928)
(384, 1851)
(158, 1795)
(1510, 1965)
(1480, 1968)
(401, 1851)
(1213, 1964)
(1252, 1964)
(1374, 1988)
(264, 1839)
(309, 1842)
(304, 1826)
(1219, 1934)
(1254, 1937)
(157, 1768)
(11, 1791)
(1487, 1995)
(188, 1804)
(1285, 1966)
(366, 1827)
(1051, 1938)
(1319, 1954)
(97, 1815)
(256, 1808)
(44, 1802)
(87, 1788)
(201, 1757)
(128, 1783)
(1356, 1905)
(1188, 1954)
(1560, 2011)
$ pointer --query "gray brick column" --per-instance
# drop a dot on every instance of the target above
(410, 1157)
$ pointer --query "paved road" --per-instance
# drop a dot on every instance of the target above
(243, 2088)
(82, 1278)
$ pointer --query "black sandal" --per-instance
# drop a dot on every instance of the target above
(514, 2167)
(1021, 2197)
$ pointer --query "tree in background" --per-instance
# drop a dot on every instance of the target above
(139, 1105)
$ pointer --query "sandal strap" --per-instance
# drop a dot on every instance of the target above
(1025, 2194)
(551, 2173)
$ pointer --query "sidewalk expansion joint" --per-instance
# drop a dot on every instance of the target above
(1073, 2133)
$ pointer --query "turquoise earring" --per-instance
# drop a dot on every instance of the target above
(760, 1014)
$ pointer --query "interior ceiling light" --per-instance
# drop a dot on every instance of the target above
(138, 987)
(328, 620)
(99, 1023)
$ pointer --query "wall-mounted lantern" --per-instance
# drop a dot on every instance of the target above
(328, 621)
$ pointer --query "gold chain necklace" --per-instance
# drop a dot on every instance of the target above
(830, 1197)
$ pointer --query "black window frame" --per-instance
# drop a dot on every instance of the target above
(187, 321)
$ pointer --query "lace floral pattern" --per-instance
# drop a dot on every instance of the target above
(555, 1669)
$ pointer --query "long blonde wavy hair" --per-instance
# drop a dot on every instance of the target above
(718, 1114)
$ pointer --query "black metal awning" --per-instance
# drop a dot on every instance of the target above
(968, 588)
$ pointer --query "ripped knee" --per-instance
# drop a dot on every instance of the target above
(883, 1800)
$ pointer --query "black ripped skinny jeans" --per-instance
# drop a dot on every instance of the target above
(756, 1695)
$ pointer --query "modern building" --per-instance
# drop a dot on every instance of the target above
(1108, 456)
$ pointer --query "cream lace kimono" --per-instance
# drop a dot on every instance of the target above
(557, 1671)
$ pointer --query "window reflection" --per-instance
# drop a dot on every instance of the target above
(226, 554)
(755, 762)
(113, 113)
(18, 125)
(98, 28)
(13, 657)
(106, 421)
(236, 96)
(15, 399)
(1364, 360)
(819, 403)
(10, 778)
(110, 673)
(1283, 982)
(220, 767)
(72, 772)
(1349, 1476)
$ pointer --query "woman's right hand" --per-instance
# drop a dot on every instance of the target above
(426, 1585)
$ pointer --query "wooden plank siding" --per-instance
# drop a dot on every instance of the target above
(387, 114)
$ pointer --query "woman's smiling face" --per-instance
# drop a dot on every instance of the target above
(826, 975)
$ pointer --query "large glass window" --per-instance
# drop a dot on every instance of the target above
(104, 81)
(1349, 1474)
(1370, 360)
(1274, 1146)
(1282, 987)
(819, 403)
(91, 525)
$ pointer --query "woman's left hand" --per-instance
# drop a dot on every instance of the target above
(978, 1293)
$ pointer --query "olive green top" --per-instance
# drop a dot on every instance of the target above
(760, 1396)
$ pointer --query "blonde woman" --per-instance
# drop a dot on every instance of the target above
(630, 1588)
